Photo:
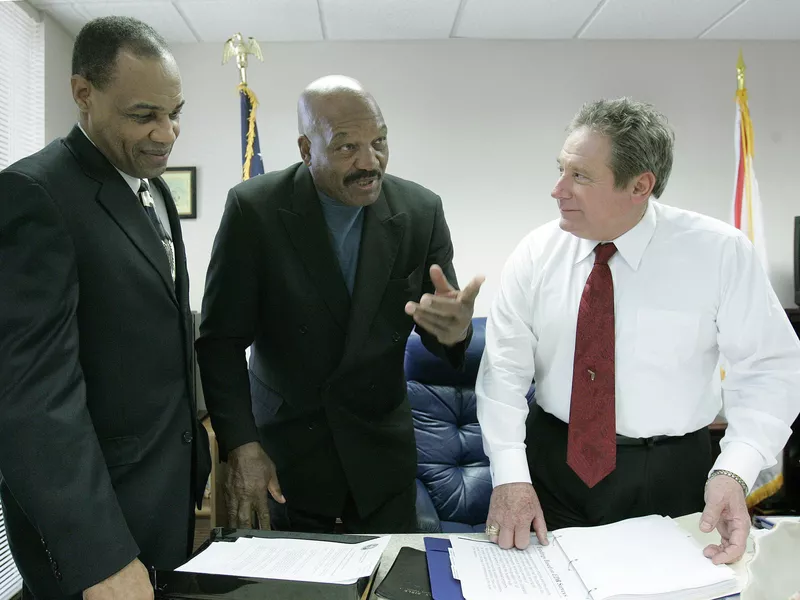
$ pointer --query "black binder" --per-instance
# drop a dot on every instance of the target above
(177, 585)
(407, 578)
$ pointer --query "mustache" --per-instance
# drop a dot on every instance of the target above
(355, 176)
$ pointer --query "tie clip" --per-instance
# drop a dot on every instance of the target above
(591, 374)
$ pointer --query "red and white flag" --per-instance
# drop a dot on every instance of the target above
(747, 215)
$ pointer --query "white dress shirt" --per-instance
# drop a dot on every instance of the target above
(686, 288)
(135, 183)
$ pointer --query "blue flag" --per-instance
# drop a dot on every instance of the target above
(252, 164)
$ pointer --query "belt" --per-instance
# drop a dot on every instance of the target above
(622, 440)
(649, 441)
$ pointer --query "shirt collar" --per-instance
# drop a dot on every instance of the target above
(133, 182)
(631, 244)
(325, 199)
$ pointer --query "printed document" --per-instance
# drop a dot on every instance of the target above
(290, 559)
(538, 572)
(644, 558)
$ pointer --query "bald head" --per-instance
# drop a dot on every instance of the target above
(343, 139)
(332, 98)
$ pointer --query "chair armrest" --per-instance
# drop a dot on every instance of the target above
(427, 517)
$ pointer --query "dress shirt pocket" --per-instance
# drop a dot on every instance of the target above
(119, 451)
(666, 337)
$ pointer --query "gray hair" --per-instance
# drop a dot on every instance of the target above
(641, 138)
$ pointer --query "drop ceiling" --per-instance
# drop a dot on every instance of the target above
(191, 21)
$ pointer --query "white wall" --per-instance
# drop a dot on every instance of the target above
(59, 109)
(481, 123)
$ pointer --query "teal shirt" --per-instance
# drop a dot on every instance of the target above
(344, 225)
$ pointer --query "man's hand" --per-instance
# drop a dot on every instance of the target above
(251, 474)
(726, 509)
(131, 583)
(513, 508)
(447, 312)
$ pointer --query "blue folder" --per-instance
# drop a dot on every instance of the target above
(443, 586)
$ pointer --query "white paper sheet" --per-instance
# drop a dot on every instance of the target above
(452, 556)
(648, 555)
(537, 573)
(290, 559)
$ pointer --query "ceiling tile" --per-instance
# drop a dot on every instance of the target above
(265, 20)
(43, 3)
(160, 14)
(655, 19)
(67, 16)
(388, 19)
(523, 19)
(46, 4)
(760, 20)
(299, 20)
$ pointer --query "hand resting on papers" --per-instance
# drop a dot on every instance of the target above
(726, 509)
(251, 475)
(513, 508)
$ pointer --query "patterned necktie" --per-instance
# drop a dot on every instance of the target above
(592, 441)
(166, 241)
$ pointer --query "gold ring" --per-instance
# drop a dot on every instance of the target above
(492, 530)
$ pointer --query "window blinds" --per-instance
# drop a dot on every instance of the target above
(21, 133)
(21, 83)
(10, 581)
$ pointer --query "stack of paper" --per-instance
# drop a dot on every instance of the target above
(290, 559)
(649, 558)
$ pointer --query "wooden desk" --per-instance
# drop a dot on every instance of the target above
(214, 507)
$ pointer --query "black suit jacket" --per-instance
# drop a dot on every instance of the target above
(99, 442)
(326, 371)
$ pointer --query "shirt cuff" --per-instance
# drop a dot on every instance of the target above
(742, 459)
(509, 466)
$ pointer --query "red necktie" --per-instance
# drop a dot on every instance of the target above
(592, 441)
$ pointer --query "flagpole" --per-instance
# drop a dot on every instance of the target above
(241, 48)
(746, 148)
(740, 67)
(748, 217)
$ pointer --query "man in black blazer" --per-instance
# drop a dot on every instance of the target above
(101, 455)
(319, 269)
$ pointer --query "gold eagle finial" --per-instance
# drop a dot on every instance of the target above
(240, 47)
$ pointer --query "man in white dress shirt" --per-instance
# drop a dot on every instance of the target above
(620, 310)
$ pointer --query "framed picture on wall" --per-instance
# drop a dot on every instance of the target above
(182, 183)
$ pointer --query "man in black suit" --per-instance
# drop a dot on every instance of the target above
(101, 455)
(324, 268)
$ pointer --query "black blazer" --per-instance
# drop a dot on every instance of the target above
(326, 371)
(99, 441)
